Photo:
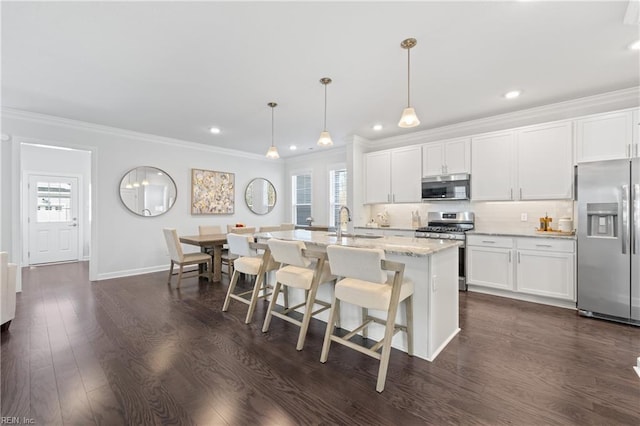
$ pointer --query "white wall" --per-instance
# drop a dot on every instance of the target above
(318, 164)
(123, 243)
(44, 160)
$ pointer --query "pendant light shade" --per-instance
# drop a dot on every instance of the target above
(325, 137)
(409, 117)
(273, 151)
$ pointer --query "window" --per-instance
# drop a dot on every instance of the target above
(301, 198)
(54, 202)
(337, 194)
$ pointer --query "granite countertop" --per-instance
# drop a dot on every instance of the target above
(519, 232)
(417, 247)
(391, 228)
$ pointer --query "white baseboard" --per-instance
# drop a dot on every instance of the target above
(567, 304)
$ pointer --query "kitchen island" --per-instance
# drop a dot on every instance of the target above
(432, 265)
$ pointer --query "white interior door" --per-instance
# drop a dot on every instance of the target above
(53, 219)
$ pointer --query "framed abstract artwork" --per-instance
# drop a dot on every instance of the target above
(212, 192)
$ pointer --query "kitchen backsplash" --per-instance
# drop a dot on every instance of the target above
(489, 215)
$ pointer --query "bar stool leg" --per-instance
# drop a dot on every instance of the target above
(254, 298)
(232, 287)
(272, 305)
(335, 307)
(409, 321)
(386, 348)
(365, 331)
(308, 310)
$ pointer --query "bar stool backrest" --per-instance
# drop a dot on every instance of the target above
(288, 252)
(360, 263)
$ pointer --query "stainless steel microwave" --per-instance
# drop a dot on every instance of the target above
(446, 187)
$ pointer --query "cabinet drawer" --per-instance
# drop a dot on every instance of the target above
(546, 244)
(489, 241)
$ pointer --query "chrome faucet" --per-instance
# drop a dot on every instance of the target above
(343, 220)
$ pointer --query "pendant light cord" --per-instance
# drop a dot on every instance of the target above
(272, 126)
(325, 108)
(408, 77)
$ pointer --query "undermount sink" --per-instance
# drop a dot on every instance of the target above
(348, 235)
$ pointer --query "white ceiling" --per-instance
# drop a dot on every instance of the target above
(174, 68)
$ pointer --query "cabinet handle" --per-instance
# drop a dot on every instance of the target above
(388, 198)
(509, 257)
(488, 242)
(544, 245)
(521, 193)
(628, 150)
(636, 150)
(511, 194)
(393, 198)
(518, 257)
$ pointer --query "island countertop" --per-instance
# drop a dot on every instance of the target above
(404, 246)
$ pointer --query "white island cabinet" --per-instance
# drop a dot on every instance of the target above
(432, 265)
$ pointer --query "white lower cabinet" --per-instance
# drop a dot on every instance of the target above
(490, 262)
(532, 266)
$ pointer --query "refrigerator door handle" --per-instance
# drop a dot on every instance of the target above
(625, 217)
(635, 238)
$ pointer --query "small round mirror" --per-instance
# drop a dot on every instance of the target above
(260, 196)
(148, 191)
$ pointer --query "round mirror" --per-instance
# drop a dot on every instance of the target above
(260, 196)
(148, 191)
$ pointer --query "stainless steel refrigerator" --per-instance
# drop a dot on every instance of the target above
(608, 199)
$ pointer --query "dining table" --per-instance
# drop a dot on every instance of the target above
(214, 242)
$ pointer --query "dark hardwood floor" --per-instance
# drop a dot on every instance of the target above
(132, 351)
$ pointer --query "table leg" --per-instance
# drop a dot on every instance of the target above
(217, 263)
(201, 266)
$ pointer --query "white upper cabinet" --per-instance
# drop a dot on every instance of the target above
(529, 163)
(377, 178)
(393, 176)
(491, 171)
(545, 166)
(446, 157)
(605, 136)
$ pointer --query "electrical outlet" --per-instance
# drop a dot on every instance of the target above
(523, 217)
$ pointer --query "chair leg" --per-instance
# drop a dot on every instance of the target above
(308, 310)
(386, 348)
(286, 297)
(272, 305)
(180, 276)
(254, 298)
(409, 321)
(232, 287)
(335, 308)
(365, 314)
(170, 272)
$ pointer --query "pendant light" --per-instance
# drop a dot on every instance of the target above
(145, 181)
(136, 184)
(128, 185)
(409, 118)
(325, 137)
(273, 151)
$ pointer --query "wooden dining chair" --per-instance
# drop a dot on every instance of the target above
(183, 259)
(275, 228)
(287, 227)
(209, 230)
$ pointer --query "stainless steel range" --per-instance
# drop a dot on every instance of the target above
(450, 226)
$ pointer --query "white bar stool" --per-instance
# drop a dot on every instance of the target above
(367, 284)
(301, 269)
(251, 263)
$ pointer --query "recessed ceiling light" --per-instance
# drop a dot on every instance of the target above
(635, 46)
(214, 130)
(377, 127)
(293, 147)
(512, 94)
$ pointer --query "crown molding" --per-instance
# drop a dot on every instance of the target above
(619, 99)
(115, 131)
